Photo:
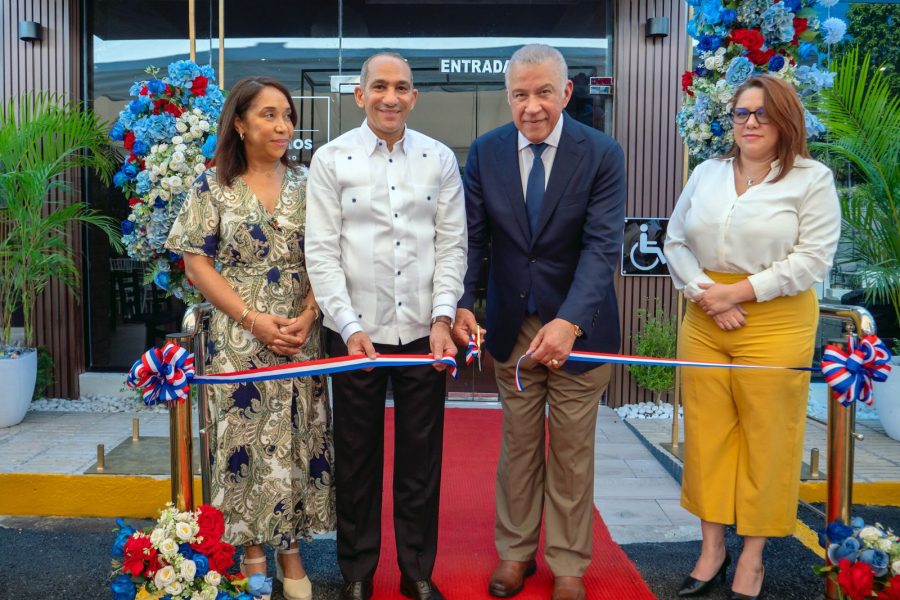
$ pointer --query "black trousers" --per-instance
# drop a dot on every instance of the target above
(359, 399)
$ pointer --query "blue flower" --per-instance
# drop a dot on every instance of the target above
(814, 127)
(143, 183)
(877, 559)
(208, 72)
(827, 3)
(259, 585)
(794, 5)
(125, 531)
(209, 146)
(183, 71)
(140, 148)
(159, 202)
(120, 179)
(807, 50)
(135, 89)
(812, 79)
(700, 110)
(223, 596)
(728, 16)
(833, 30)
(155, 129)
(776, 63)
(693, 3)
(123, 588)
(848, 549)
(136, 107)
(778, 24)
(173, 256)
(711, 11)
(692, 29)
(701, 71)
(117, 132)
(127, 228)
(837, 532)
(202, 564)
(739, 69)
(709, 43)
(857, 523)
(716, 129)
(185, 550)
(162, 280)
(130, 169)
(156, 86)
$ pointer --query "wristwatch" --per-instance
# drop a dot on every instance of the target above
(442, 319)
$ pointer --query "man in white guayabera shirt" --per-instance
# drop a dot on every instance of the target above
(386, 255)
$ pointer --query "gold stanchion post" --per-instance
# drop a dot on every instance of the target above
(181, 445)
(222, 44)
(192, 29)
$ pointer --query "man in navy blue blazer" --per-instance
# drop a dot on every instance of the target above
(545, 197)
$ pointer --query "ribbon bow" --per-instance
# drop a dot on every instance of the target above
(163, 375)
(851, 374)
(472, 350)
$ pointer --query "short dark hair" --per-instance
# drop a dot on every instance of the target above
(231, 160)
(786, 114)
(364, 71)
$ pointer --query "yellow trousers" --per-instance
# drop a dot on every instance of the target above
(743, 428)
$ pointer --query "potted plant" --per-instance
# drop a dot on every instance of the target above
(44, 140)
(862, 117)
(655, 337)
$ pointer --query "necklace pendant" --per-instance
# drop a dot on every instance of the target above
(749, 181)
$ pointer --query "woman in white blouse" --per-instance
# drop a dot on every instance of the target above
(750, 235)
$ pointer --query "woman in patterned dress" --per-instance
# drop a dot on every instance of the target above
(272, 448)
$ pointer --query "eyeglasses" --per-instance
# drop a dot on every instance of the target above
(742, 115)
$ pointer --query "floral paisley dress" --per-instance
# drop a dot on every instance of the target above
(272, 449)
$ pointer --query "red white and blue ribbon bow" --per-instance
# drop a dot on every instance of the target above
(852, 374)
(472, 350)
(163, 375)
(145, 374)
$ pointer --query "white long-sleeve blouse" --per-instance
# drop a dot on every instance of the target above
(783, 234)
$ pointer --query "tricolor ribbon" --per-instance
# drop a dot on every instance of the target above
(852, 374)
(162, 376)
(472, 350)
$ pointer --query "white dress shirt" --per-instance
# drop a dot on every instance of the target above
(385, 234)
(783, 234)
(526, 156)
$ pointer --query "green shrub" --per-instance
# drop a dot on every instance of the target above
(655, 337)
(44, 373)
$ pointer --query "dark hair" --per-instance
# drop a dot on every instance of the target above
(786, 114)
(231, 160)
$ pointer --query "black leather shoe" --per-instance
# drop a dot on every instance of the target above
(739, 596)
(424, 589)
(357, 590)
(694, 587)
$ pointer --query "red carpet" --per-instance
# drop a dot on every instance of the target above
(466, 553)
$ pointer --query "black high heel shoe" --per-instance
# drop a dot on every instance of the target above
(694, 587)
(739, 596)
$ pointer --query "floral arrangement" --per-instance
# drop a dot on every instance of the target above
(183, 557)
(169, 131)
(739, 38)
(865, 560)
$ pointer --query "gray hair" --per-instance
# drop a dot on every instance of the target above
(537, 54)
(364, 72)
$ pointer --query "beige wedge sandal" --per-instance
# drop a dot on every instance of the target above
(294, 589)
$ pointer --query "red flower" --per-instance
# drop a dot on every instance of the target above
(129, 140)
(198, 86)
(144, 90)
(173, 110)
(760, 57)
(856, 579)
(222, 557)
(169, 91)
(211, 522)
(180, 264)
(133, 201)
(751, 39)
(686, 80)
(139, 555)
(892, 590)
(800, 25)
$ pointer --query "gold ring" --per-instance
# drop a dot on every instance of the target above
(554, 362)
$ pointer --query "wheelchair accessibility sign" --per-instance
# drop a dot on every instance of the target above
(642, 250)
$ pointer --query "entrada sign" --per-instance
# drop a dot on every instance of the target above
(473, 65)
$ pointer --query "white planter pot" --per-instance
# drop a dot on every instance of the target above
(18, 376)
(887, 401)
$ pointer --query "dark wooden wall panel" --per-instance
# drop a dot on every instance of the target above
(647, 96)
(52, 64)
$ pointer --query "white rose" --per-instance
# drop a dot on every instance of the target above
(885, 544)
(165, 184)
(177, 140)
(199, 168)
(197, 111)
(177, 157)
(180, 127)
(183, 530)
(196, 131)
(870, 533)
(175, 182)
(710, 63)
(188, 137)
(174, 588)
(157, 535)
(162, 147)
(168, 547)
(164, 194)
(188, 570)
(165, 576)
(193, 119)
(720, 51)
(214, 579)
(204, 125)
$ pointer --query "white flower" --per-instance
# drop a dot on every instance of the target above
(196, 131)
(720, 51)
(177, 156)
(164, 194)
(188, 570)
(162, 148)
(157, 535)
(885, 544)
(193, 119)
(180, 127)
(183, 530)
(870, 533)
(177, 139)
(164, 577)
(199, 168)
(181, 147)
(174, 588)
(188, 137)
(213, 578)
(168, 547)
(204, 125)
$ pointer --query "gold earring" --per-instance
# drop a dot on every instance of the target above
(242, 135)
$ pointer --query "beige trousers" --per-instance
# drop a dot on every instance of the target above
(561, 486)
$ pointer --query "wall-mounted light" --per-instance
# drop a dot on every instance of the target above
(658, 27)
(29, 31)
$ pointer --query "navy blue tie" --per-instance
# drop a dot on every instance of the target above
(534, 199)
(534, 189)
